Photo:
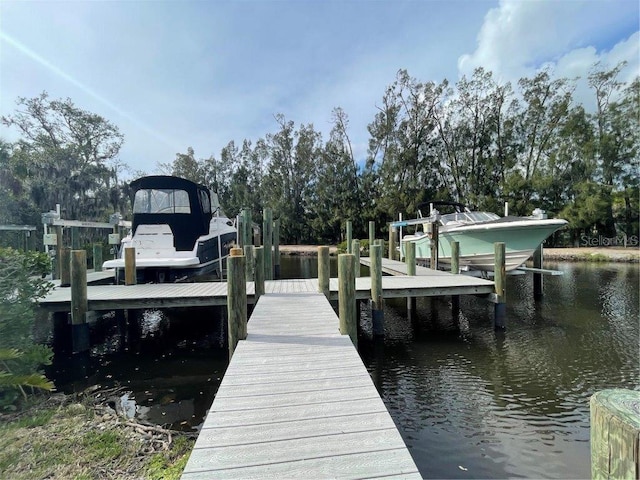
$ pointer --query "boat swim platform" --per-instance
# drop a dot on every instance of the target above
(297, 402)
(427, 283)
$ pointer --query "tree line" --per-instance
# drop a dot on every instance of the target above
(478, 141)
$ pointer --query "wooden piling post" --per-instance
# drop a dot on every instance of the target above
(500, 282)
(79, 304)
(249, 262)
(615, 429)
(64, 266)
(59, 244)
(97, 257)
(411, 271)
(377, 312)
(323, 270)
(433, 262)
(267, 242)
(392, 243)
(355, 250)
(537, 277)
(349, 228)
(258, 272)
(372, 234)
(455, 269)
(130, 266)
(247, 227)
(276, 249)
(347, 297)
(236, 299)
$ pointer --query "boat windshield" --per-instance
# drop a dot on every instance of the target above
(154, 200)
(468, 217)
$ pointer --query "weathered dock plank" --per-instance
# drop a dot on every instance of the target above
(297, 402)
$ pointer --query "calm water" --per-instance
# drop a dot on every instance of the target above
(469, 403)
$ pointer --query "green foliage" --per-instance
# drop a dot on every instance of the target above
(21, 283)
(170, 465)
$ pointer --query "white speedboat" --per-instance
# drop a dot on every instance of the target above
(476, 233)
(178, 231)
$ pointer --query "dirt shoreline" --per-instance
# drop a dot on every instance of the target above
(582, 254)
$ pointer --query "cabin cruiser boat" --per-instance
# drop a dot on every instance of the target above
(178, 230)
(476, 232)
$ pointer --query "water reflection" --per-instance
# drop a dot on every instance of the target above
(472, 403)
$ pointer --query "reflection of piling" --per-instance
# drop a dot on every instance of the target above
(323, 270)
(377, 312)
(347, 297)
(500, 281)
(236, 299)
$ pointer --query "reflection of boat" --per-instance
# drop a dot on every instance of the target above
(476, 233)
(178, 231)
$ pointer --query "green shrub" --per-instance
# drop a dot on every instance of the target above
(21, 359)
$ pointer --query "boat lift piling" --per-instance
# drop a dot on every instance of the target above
(455, 269)
(500, 282)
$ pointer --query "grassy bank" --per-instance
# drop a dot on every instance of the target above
(80, 437)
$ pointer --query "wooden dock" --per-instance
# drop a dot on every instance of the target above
(426, 283)
(297, 402)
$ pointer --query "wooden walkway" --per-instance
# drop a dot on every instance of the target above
(297, 402)
(426, 283)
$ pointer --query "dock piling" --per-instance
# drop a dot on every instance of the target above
(372, 234)
(500, 282)
(64, 266)
(276, 249)
(355, 250)
(349, 228)
(455, 269)
(537, 276)
(236, 299)
(79, 303)
(323, 270)
(258, 272)
(249, 262)
(97, 257)
(392, 243)
(347, 297)
(130, 266)
(377, 312)
(267, 242)
(433, 262)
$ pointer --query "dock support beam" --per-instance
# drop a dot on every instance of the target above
(323, 270)
(347, 297)
(377, 311)
(236, 299)
(79, 305)
(258, 272)
(537, 276)
(500, 281)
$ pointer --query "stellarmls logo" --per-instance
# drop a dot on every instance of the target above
(600, 241)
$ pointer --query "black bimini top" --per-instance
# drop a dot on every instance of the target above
(182, 204)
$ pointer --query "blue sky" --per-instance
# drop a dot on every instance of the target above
(179, 74)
